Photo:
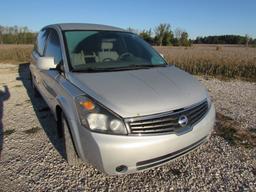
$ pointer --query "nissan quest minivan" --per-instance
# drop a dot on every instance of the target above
(117, 103)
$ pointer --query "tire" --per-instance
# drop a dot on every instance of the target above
(70, 152)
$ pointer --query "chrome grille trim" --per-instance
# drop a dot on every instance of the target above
(154, 125)
(166, 122)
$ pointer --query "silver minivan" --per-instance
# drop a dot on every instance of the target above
(117, 103)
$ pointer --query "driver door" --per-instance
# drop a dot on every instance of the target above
(50, 80)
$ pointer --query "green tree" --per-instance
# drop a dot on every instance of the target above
(184, 41)
(163, 34)
(147, 36)
(175, 42)
(225, 39)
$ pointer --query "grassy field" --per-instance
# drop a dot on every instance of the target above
(223, 61)
(15, 53)
(214, 60)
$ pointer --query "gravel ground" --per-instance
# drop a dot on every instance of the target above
(236, 99)
(31, 157)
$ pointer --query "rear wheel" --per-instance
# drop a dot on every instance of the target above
(70, 153)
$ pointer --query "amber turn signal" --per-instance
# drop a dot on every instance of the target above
(88, 105)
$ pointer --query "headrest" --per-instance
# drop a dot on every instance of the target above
(106, 45)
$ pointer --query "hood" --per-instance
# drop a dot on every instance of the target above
(141, 92)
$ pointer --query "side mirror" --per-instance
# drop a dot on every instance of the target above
(60, 67)
(46, 63)
(162, 55)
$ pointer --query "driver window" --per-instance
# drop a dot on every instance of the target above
(53, 47)
(40, 42)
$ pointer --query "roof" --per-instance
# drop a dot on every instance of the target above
(86, 26)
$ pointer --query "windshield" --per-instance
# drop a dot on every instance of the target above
(109, 50)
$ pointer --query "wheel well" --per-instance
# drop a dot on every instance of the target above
(58, 116)
(60, 127)
(30, 75)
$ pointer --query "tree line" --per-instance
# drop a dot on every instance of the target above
(16, 35)
(225, 39)
(161, 35)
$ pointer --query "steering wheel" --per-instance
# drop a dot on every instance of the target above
(125, 54)
(107, 59)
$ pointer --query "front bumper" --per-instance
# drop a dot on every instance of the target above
(137, 153)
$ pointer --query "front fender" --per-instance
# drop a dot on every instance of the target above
(70, 112)
(66, 107)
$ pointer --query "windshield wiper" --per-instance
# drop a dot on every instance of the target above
(147, 66)
(151, 65)
(91, 70)
(95, 70)
(129, 67)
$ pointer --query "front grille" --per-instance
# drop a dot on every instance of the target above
(167, 122)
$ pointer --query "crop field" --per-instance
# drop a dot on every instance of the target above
(223, 61)
(15, 53)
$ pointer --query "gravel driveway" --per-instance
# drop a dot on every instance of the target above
(31, 156)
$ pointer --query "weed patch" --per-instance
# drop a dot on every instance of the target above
(232, 132)
(32, 130)
(9, 132)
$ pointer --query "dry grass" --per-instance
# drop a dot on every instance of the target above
(15, 53)
(214, 60)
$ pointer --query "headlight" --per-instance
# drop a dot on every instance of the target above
(97, 118)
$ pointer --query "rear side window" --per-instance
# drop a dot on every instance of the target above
(53, 47)
(40, 42)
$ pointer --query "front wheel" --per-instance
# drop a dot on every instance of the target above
(70, 153)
